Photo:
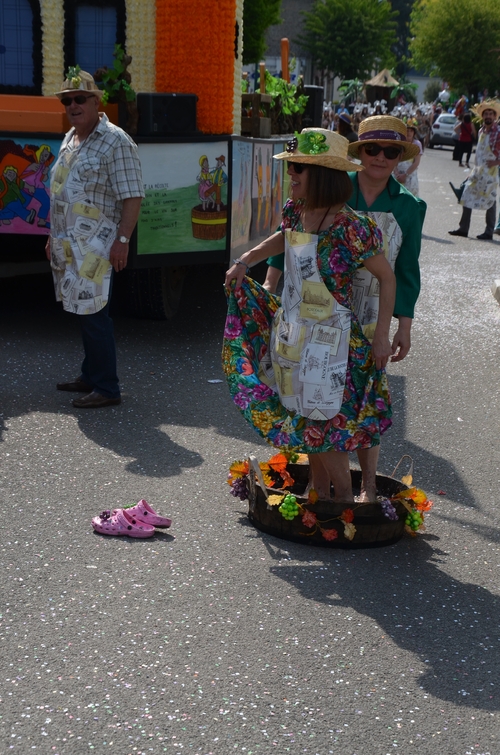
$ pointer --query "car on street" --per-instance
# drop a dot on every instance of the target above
(442, 130)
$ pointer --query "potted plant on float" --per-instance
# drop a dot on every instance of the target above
(115, 83)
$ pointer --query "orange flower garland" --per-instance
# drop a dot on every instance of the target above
(195, 54)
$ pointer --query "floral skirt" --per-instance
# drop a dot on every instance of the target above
(366, 409)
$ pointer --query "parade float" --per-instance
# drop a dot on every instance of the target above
(211, 192)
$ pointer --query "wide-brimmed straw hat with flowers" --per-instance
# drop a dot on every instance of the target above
(487, 105)
(385, 130)
(81, 81)
(319, 146)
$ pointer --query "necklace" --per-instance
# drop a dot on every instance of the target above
(320, 223)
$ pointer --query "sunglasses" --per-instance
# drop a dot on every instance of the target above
(372, 150)
(80, 99)
(297, 167)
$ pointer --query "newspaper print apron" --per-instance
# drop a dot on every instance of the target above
(310, 335)
(81, 238)
(365, 289)
(480, 191)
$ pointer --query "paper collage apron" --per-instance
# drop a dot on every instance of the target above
(366, 289)
(81, 238)
(310, 336)
(481, 187)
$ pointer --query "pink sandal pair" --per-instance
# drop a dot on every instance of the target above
(137, 521)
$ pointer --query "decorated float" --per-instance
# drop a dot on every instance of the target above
(211, 192)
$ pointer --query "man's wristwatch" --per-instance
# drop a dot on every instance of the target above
(122, 239)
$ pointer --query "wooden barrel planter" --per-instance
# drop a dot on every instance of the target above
(207, 224)
(373, 529)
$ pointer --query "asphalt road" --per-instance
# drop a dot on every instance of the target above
(213, 638)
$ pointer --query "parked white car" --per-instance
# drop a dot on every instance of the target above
(442, 130)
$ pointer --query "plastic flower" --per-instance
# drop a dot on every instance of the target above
(312, 496)
(347, 515)
(424, 506)
(309, 519)
(349, 531)
(329, 534)
(275, 500)
(238, 469)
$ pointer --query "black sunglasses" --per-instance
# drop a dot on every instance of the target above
(297, 167)
(80, 99)
(372, 150)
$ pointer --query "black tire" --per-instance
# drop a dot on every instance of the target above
(155, 293)
(431, 146)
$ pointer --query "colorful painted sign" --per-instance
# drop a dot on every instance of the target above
(185, 209)
(25, 165)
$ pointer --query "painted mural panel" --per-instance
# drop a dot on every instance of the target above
(241, 210)
(25, 165)
(185, 209)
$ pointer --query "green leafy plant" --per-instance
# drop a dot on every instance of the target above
(351, 89)
(288, 103)
(116, 80)
(405, 88)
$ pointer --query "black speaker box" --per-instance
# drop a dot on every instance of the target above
(313, 114)
(166, 114)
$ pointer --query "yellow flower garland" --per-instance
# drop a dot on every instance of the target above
(141, 43)
(52, 15)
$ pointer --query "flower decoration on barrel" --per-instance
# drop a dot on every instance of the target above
(287, 503)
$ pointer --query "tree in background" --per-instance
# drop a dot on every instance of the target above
(401, 47)
(349, 38)
(455, 40)
(258, 16)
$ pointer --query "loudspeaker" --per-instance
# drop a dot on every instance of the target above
(313, 114)
(166, 114)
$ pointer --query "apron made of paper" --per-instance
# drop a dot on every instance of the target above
(81, 238)
(365, 290)
(481, 187)
(310, 335)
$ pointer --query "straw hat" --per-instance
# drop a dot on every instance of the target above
(319, 146)
(82, 82)
(487, 105)
(385, 130)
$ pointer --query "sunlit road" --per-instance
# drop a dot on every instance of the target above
(213, 638)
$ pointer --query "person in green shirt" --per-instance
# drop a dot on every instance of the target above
(380, 147)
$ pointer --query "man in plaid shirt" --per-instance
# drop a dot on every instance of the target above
(96, 193)
(481, 188)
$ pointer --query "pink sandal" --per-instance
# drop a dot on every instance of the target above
(120, 522)
(145, 513)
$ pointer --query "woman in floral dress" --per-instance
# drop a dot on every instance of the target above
(301, 370)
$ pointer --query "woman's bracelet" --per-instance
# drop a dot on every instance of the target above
(239, 261)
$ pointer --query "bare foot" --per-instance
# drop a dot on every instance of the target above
(367, 496)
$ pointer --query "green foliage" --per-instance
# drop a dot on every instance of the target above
(349, 38)
(288, 104)
(400, 49)
(116, 80)
(258, 16)
(291, 100)
(406, 88)
(351, 89)
(459, 41)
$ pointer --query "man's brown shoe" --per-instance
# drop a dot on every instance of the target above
(95, 401)
(76, 386)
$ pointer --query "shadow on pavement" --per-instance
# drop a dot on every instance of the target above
(453, 627)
